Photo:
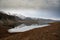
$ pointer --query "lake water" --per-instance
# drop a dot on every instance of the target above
(24, 28)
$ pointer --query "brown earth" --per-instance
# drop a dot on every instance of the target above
(51, 32)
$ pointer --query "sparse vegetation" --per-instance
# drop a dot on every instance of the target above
(46, 33)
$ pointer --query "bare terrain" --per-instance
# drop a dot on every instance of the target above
(46, 33)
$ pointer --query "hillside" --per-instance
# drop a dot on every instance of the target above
(46, 33)
(5, 16)
(7, 22)
(6, 19)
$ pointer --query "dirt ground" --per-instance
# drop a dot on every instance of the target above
(51, 32)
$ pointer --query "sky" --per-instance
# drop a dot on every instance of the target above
(49, 9)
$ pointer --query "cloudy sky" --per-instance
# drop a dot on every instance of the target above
(32, 8)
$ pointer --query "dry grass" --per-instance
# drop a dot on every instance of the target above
(46, 33)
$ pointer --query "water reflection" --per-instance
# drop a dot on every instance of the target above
(23, 28)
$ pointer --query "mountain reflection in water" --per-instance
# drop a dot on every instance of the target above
(23, 28)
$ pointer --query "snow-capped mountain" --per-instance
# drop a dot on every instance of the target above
(21, 16)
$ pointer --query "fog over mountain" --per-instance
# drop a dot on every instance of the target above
(29, 3)
(49, 9)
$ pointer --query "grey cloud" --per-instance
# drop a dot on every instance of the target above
(29, 3)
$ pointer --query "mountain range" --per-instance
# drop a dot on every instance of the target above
(14, 20)
(6, 18)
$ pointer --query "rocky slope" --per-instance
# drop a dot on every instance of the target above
(8, 20)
